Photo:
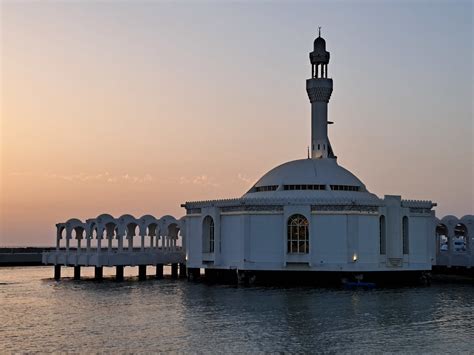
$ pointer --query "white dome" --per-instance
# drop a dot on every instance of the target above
(319, 178)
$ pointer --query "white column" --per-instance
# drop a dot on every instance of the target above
(99, 243)
(120, 242)
(130, 243)
(109, 245)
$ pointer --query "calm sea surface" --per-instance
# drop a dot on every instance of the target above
(39, 314)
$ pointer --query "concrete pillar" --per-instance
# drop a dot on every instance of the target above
(159, 271)
(241, 277)
(77, 272)
(120, 242)
(119, 273)
(194, 274)
(174, 271)
(57, 272)
(142, 272)
(99, 273)
(182, 271)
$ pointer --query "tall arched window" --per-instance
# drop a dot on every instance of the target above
(382, 235)
(298, 234)
(208, 235)
(405, 235)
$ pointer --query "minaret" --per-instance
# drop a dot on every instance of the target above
(319, 89)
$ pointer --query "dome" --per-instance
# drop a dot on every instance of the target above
(319, 44)
(319, 178)
(319, 55)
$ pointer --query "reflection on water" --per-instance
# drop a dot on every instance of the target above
(39, 314)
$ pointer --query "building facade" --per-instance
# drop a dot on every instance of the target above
(311, 214)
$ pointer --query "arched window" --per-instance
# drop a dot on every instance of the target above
(298, 234)
(405, 235)
(208, 235)
(382, 235)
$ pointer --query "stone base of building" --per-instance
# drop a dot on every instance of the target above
(453, 270)
(315, 278)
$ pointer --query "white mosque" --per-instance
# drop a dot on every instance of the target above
(308, 217)
(311, 214)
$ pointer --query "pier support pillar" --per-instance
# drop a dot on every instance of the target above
(98, 273)
(159, 271)
(194, 274)
(119, 273)
(142, 272)
(57, 272)
(242, 278)
(182, 271)
(77, 272)
(174, 271)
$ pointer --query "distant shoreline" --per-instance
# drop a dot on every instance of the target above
(22, 256)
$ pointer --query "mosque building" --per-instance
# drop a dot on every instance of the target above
(307, 218)
(311, 214)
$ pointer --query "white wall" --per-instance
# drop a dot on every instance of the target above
(232, 234)
(193, 241)
(369, 239)
(258, 241)
(418, 243)
(266, 240)
(328, 239)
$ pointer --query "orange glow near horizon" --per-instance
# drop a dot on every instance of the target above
(138, 108)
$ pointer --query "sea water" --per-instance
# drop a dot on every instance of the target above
(40, 314)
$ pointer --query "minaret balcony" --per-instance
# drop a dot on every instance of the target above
(319, 89)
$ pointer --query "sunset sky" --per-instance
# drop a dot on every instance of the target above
(137, 107)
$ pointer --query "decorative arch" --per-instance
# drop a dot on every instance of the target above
(461, 240)
(298, 234)
(148, 225)
(468, 221)
(60, 234)
(442, 238)
(128, 227)
(75, 230)
(102, 221)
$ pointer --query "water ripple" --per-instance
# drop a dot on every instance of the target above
(39, 314)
